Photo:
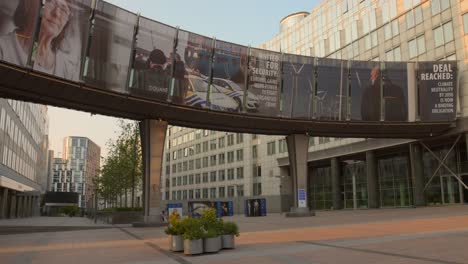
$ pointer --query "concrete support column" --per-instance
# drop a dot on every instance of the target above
(12, 205)
(3, 203)
(298, 146)
(153, 135)
(29, 204)
(336, 184)
(372, 180)
(19, 206)
(417, 174)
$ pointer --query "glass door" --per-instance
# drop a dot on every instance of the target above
(450, 189)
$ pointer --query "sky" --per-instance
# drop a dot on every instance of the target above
(245, 22)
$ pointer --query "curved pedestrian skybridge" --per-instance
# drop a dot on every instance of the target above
(103, 59)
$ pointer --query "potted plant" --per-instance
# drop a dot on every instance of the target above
(213, 228)
(230, 230)
(175, 231)
(193, 236)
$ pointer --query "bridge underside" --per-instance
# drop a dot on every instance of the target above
(21, 84)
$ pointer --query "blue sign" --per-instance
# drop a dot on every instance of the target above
(224, 208)
(255, 207)
(301, 197)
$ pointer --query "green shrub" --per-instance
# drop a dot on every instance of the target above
(212, 225)
(192, 228)
(175, 227)
(230, 228)
(70, 210)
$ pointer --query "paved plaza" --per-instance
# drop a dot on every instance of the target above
(422, 235)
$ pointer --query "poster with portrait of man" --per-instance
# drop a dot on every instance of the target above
(18, 20)
(107, 65)
(364, 101)
(62, 38)
(395, 91)
(224, 208)
(151, 72)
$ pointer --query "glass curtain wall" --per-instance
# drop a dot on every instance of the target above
(320, 188)
(394, 182)
(355, 185)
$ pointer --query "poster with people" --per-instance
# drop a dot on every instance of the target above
(224, 208)
(151, 71)
(264, 77)
(395, 91)
(174, 209)
(298, 86)
(229, 76)
(107, 65)
(331, 90)
(437, 91)
(191, 70)
(255, 207)
(62, 38)
(17, 25)
(364, 91)
(196, 208)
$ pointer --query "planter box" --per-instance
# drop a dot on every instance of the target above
(228, 241)
(212, 244)
(193, 247)
(176, 243)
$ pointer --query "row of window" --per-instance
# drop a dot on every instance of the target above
(204, 147)
(205, 162)
(205, 193)
(205, 177)
(197, 134)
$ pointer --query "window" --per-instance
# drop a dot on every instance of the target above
(257, 188)
(221, 158)
(190, 179)
(179, 195)
(190, 194)
(389, 10)
(174, 182)
(257, 171)
(174, 155)
(271, 148)
(197, 149)
(230, 156)
(221, 142)
(221, 175)
(190, 165)
(443, 34)
(230, 191)
(240, 190)
(205, 146)
(185, 165)
(407, 4)
(239, 138)
(230, 174)
(438, 6)
(205, 177)
(213, 160)
(168, 155)
(230, 140)
(240, 154)
(213, 144)
(417, 46)
(393, 54)
(213, 176)
(205, 193)
(212, 192)
(465, 23)
(240, 173)
(205, 162)
(197, 178)
(197, 163)
(197, 194)
(184, 194)
(254, 152)
(168, 169)
(174, 195)
(283, 146)
(370, 40)
(179, 181)
(221, 192)
(414, 17)
(184, 180)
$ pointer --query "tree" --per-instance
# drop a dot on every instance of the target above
(122, 168)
